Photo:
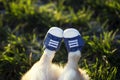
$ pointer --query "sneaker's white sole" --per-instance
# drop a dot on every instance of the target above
(56, 31)
(70, 33)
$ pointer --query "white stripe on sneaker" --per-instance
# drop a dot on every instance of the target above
(73, 43)
(53, 43)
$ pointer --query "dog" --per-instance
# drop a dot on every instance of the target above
(44, 69)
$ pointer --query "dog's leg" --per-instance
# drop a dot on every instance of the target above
(74, 44)
(44, 69)
(39, 70)
(71, 71)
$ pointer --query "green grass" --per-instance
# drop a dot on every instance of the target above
(23, 27)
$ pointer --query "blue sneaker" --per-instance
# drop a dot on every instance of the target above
(53, 38)
(73, 40)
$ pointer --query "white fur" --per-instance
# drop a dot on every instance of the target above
(71, 70)
(44, 69)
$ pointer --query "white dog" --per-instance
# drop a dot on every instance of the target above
(44, 69)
